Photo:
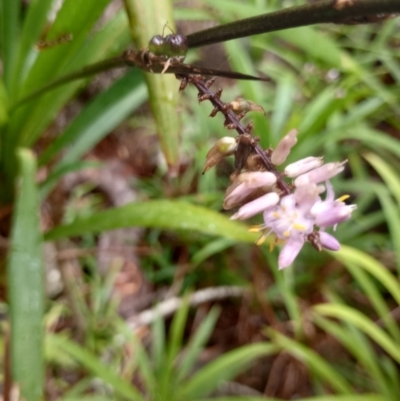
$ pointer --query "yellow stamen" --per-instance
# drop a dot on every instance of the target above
(286, 234)
(343, 198)
(299, 227)
(271, 246)
(261, 240)
(256, 229)
(276, 215)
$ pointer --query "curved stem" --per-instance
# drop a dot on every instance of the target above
(324, 11)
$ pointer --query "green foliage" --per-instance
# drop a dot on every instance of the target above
(337, 84)
(168, 370)
(26, 292)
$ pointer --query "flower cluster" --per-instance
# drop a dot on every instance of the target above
(293, 216)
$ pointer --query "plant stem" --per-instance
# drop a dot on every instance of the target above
(324, 11)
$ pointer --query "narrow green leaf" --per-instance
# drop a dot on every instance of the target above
(26, 289)
(315, 362)
(360, 348)
(9, 36)
(223, 368)
(95, 366)
(315, 44)
(148, 18)
(196, 344)
(34, 25)
(29, 121)
(376, 299)
(283, 104)
(359, 320)
(176, 333)
(373, 266)
(72, 20)
(98, 119)
(388, 174)
(164, 214)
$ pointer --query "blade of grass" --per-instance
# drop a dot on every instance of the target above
(360, 321)
(357, 345)
(157, 213)
(94, 365)
(315, 362)
(196, 344)
(99, 118)
(225, 367)
(26, 289)
(9, 31)
(147, 18)
(34, 25)
(374, 267)
(376, 299)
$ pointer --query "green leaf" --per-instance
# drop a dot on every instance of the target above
(375, 297)
(315, 362)
(9, 36)
(148, 18)
(359, 320)
(357, 344)
(196, 344)
(26, 289)
(99, 118)
(165, 214)
(34, 25)
(314, 43)
(373, 266)
(95, 366)
(224, 367)
(37, 115)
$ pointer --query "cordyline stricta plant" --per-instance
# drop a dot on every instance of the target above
(297, 202)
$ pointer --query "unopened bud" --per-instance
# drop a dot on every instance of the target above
(303, 166)
(245, 184)
(320, 174)
(256, 206)
(282, 151)
(240, 105)
(226, 146)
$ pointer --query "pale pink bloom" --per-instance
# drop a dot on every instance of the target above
(296, 216)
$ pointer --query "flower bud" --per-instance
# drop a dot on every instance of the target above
(245, 184)
(320, 174)
(256, 206)
(303, 166)
(282, 151)
(328, 241)
(226, 146)
(240, 105)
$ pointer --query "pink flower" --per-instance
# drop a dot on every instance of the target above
(296, 216)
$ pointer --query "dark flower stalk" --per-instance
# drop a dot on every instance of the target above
(317, 12)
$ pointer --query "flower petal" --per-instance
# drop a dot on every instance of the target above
(303, 166)
(256, 206)
(289, 252)
(320, 174)
(329, 241)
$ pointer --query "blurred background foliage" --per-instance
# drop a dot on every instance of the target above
(105, 214)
